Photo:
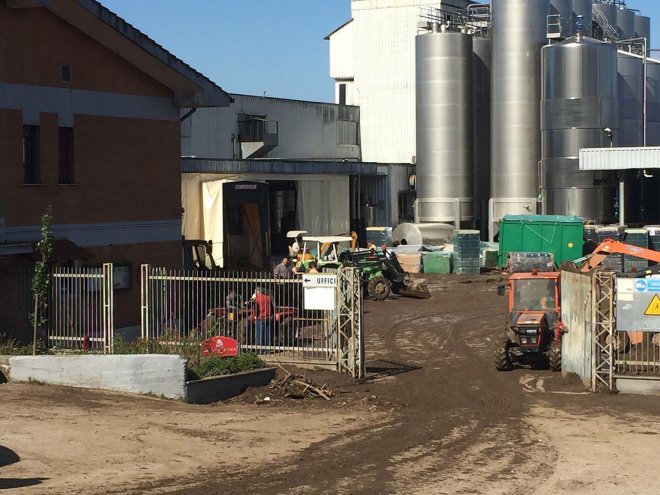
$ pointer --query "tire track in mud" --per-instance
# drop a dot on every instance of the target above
(450, 409)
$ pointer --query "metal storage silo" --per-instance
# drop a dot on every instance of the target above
(643, 28)
(564, 9)
(481, 126)
(579, 110)
(583, 8)
(444, 127)
(652, 185)
(605, 15)
(653, 103)
(517, 33)
(630, 83)
(625, 22)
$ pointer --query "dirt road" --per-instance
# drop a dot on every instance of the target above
(434, 417)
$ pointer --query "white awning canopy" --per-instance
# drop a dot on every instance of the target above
(619, 158)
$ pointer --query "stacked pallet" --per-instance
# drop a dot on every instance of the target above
(437, 262)
(614, 262)
(467, 250)
(639, 238)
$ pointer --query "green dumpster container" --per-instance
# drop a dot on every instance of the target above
(563, 236)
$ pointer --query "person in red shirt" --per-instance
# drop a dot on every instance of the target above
(264, 312)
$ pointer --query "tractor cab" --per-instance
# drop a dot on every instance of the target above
(534, 322)
(325, 250)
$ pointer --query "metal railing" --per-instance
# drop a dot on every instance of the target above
(609, 31)
(81, 309)
(264, 314)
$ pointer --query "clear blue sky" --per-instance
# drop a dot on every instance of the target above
(246, 46)
(252, 46)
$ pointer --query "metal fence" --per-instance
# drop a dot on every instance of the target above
(630, 354)
(16, 302)
(265, 315)
(81, 309)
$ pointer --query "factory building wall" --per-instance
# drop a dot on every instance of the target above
(383, 58)
(306, 130)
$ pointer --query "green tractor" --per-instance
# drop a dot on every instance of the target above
(382, 273)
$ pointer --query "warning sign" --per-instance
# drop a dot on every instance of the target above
(653, 308)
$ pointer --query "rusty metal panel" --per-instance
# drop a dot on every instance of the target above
(577, 317)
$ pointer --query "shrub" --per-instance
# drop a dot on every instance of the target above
(216, 365)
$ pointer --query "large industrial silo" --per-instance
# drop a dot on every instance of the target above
(625, 22)
(444, 127)
(653, 103)
(579, 110)
(643, 29)
(630, 84)
(563, 9)
(583, 8)
(652, 184)
(481, 127)
(518, 33)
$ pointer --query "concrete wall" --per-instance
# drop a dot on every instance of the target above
(142, 374)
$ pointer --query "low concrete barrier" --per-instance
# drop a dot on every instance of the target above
(215, 388)
(137, 373)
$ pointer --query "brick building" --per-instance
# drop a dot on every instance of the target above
(90, 124)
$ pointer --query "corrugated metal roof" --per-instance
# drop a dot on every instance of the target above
(619, 158)
(205, 166)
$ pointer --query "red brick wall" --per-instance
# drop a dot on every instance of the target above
(36, 42)
(127, 303)
(125, 170)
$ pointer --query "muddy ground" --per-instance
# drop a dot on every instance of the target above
(433, 417)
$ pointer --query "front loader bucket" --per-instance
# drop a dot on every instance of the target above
(415, 288)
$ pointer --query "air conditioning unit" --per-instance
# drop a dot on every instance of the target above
(2, 230)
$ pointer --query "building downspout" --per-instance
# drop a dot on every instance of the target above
(188, 114)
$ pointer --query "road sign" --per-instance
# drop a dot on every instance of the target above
(654, 307)
(647, 285)
(311, 280)
(638, 304)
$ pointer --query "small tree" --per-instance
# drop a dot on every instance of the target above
(41, 278)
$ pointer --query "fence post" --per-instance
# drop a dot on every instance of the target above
(144, 301)
(359, 326)
(107, 295)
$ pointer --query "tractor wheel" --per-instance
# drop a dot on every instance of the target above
(502, 356)
(554, 356)
(284, 333)
(379, 288)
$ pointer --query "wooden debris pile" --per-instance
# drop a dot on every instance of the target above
(298, 387)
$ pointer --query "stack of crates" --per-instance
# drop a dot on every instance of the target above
(591, 239)
(614, 262)
(437, 262)
(654, 236)
(640, 238)
(489, 254)
(467, 250)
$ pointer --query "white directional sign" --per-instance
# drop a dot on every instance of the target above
(320, 291)
(319, 280)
